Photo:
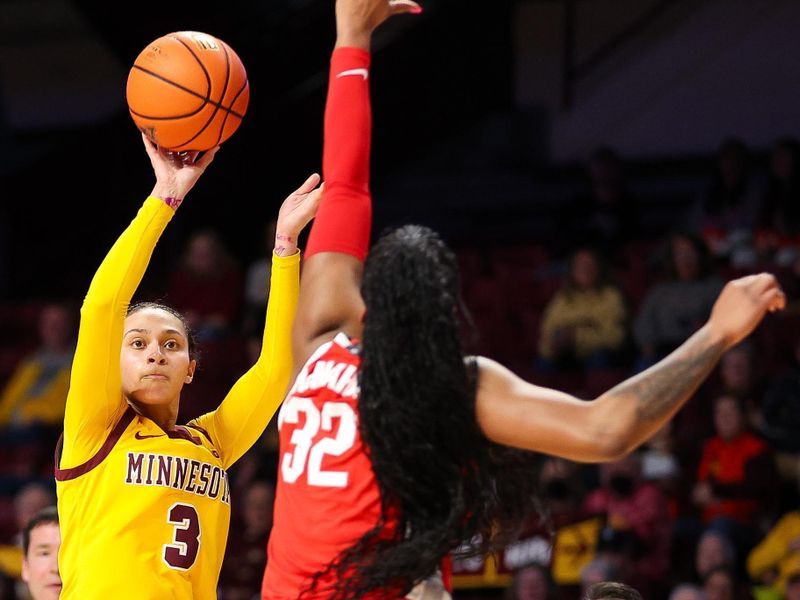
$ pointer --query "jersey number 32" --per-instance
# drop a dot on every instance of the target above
(331, 432)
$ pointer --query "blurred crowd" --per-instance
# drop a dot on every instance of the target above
(709, 508)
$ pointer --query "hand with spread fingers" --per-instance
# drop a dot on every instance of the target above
(357, 19)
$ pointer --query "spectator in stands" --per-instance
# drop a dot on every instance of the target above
(585, 323)
(792, 591)
(738, 375)
(674, 309)
(531, 582)
(779, 223)
(36, 393)
(28, 502)
(714, 550)
(721, 584)
(726, 215)
(608, 215)
(41, 540)
(599, 570)
(736, 475)
(660, 465)
(640, 511)
(246, 551)
(781, 418)
(687, 591)
(611, 590)
(563, 488)
(207, 287)
(776, 559)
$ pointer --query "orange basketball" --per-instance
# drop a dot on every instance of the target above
(188, 91)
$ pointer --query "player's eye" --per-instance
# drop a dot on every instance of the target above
(137, 343)
(171, 345)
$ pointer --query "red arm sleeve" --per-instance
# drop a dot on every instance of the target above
(344, 217)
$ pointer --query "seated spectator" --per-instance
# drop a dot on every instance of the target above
(781, 418)
(735, 475)
(675, 308)
(638, 509)
(611, 590)
(584, 324)
(563, 489)
(714, 550)
(599, 570)
(206, 287)
(777, 557)
(792, 591)
(28, 502)
(659, 463)
(727, 213)
(739, 376)
(531, 582)
(41, 540)
(36, 393)
(778, 233)
(687, 591)
(721, 584)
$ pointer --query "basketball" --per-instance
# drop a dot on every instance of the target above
(188, 91)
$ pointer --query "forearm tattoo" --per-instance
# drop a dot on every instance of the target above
(662, 389)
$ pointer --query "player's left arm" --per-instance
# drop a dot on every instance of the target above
(252, 401)
(516, 413)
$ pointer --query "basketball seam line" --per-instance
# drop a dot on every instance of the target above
(185, 89)
(208, 79)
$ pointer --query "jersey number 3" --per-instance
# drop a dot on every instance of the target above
(182, 552)
(309, 448)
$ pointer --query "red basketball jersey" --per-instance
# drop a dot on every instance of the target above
(327, 496)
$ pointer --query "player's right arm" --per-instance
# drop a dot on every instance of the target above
(513, 412)
(330, 297)
(95, 400)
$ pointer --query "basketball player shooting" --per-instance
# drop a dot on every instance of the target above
(145, 503)
(393, 444)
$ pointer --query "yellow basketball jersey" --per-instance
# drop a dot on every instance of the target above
(157, 499)
(144, 512)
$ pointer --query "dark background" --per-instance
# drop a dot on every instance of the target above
(64, 205)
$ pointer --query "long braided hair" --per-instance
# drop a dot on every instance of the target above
(442, 483)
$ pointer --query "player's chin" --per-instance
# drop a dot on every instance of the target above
(155, 396)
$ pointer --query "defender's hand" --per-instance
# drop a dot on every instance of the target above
(743, 303)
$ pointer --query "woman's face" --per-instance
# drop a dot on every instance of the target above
(728, 419)
(719, 586)
(154, 359)
(687, 263)
(584, 270)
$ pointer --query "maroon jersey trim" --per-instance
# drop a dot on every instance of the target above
(181, 433)
(105, 449)
(201, 430)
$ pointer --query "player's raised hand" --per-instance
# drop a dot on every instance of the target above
(175, 174)
(357, 19)
(743, 303)
(295, 213)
